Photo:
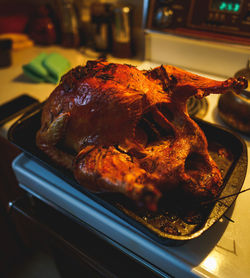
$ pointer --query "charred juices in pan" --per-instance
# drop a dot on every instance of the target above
(119, 129)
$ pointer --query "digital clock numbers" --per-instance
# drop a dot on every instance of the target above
(226, 6)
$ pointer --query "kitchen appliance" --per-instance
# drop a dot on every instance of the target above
(221, 251)
(222, 248)
(228, 17)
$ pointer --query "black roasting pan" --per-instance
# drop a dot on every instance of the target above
(171, 225)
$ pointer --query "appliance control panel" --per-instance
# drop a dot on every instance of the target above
(230, 17)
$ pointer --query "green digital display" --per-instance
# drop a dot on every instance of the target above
(232, 6)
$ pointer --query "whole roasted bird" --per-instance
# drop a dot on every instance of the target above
(119, 129)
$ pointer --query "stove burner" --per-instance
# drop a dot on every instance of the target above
(197, 107)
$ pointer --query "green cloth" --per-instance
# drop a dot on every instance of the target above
(46, 68)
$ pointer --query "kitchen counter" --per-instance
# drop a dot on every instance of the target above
(14, 83)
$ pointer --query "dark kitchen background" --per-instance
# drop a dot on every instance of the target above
(208, 37)
(83, 25)
(75, 23)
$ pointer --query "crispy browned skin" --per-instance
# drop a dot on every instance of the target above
(128, 131)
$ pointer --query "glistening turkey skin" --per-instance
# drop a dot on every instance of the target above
(128, 131)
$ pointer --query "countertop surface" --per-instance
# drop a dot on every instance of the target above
(14, 83)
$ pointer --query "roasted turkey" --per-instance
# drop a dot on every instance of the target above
(120, 129)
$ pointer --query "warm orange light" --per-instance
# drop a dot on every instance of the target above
(210, 263)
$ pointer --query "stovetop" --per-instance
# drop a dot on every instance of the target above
(222, 251)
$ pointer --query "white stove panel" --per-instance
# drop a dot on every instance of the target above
(222, 251)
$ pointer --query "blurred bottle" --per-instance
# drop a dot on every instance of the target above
(41, 26)
(122, 32)
(69, 25)
(84, 22)
(102, 31)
